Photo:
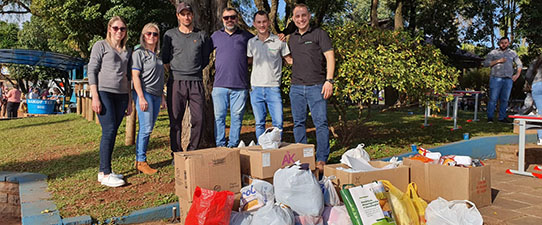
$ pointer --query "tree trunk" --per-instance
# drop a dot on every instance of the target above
(398, 20)
(512, 19)
(412, 20)
(374, 13)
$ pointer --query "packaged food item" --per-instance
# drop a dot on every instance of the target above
(477, 163)
(421, 158)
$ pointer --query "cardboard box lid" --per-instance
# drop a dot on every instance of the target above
(263, 163)
(215, 169)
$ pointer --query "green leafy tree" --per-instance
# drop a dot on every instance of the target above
(8, 35)
(386, 59)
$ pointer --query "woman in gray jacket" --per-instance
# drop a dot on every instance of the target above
(110, 89)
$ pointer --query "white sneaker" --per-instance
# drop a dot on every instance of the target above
(101, 175)
(112, 181)
(539, 142)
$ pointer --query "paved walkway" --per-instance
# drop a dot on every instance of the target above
(516, 199)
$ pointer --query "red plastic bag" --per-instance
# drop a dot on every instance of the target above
(210, 207)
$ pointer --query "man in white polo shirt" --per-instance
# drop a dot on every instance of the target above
(266, 52)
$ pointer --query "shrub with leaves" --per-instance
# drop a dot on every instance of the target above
(369, 59)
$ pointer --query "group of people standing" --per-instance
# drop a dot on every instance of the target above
(184, 53)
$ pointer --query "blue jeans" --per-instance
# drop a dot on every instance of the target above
(300, 97)
(499, 89)
(259, 98)
(537, 97)
(222, 99)
(113, 108)
(146, 121)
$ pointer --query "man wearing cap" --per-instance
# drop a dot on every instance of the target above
(230, 88)
(185, 53)
(312, 82)
(266, 51)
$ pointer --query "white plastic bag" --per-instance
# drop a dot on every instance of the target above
(309, 220)
(442, 212)
(273, 214)
(270, 139)
(299, 189)
(240, 218)
(331, 198)
(357, 159)
(256, 195)
(336, 215)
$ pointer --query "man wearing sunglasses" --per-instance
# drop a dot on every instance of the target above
(230, 88)
(185, 53)
(312, 80)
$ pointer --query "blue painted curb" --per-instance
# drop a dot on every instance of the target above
(478, 147)
(147, 215)
(33, 197)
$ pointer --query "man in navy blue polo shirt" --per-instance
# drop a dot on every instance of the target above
(230, 88)
(312, 80)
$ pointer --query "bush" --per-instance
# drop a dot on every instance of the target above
(370, 59)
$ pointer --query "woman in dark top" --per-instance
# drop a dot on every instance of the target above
(148, 94)
(110, 89)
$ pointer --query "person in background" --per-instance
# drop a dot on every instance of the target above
(109, 81)
(502, 78)
(534, 74)
(148, 94)
(3, 100)
(312, 80)
(185, 53)
(34, 94)
(14, 101)
(230, 88)
(266, 52)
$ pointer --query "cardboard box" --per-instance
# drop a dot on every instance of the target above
(399, 176)
(214, 169)
(262, 164)
(451, 182)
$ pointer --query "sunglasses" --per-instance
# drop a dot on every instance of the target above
(154, 34)
(234, 17)
(122, 29)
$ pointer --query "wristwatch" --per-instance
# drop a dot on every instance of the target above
(330, 81)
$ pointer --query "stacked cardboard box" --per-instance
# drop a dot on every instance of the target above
(451, 182)
(215, 169)
(262, 163)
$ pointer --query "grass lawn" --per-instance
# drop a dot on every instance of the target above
(65, 148)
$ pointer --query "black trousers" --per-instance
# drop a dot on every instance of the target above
(179, 94)
(12, 109)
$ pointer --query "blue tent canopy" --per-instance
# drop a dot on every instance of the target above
(40, 58)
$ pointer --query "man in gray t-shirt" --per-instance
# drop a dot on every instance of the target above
(266, 51)
(185, 53)
(502, 77)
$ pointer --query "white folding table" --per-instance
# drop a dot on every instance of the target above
(525, 122)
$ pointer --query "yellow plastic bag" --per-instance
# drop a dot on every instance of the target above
(419, 203)
(403, 207)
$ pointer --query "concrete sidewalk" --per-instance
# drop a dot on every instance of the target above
(516, 199)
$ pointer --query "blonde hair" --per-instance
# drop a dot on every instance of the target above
(142, 42)
(108, 37)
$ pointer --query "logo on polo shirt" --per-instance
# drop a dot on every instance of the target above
(308, 42)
